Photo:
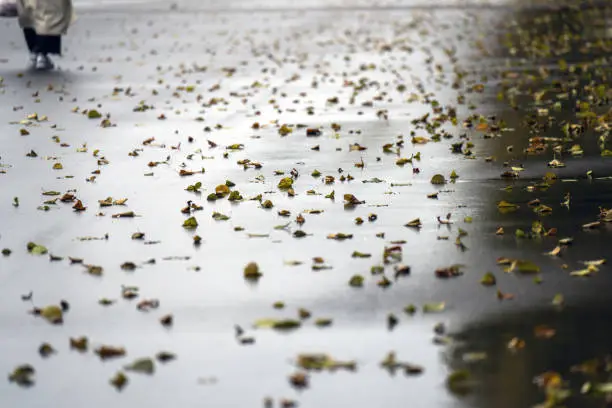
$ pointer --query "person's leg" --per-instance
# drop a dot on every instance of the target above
(48, 44)
(32, 41)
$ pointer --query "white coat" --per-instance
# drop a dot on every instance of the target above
(46, 17)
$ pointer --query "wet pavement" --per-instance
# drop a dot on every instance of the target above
(213, 71)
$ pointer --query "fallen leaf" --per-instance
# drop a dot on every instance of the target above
(23, 375)
(516, 344)
(53, 314)
(128, 214)
(506, 205)
(449, 272)
(119, 381)
(285, 183)
(282, 324)
(351, 200)
(299, 380)
(79, 343)
(585, 272)
(544, 332)
(488, 279)
(340, 236)
(434, 307)
(106, 352)
(416, 223)
(36, 249)
(504, 296)
(45, 350)
(165, 356)
(251, 271)
(438, 179)
(190, 223)
(320, 361)
(460, 382)
(356, 281)
(142, 365)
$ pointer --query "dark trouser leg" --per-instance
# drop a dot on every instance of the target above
(50, 44)
(31, 39)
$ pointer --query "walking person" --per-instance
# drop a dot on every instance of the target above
(43, 23)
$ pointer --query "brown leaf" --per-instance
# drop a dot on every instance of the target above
(78, 206)
(544, 332)
(128, 214)
(299, 380)
(167, 320)
(67, 198)
(147, 304)
(504, 296)
(105, 352)
(449, 272)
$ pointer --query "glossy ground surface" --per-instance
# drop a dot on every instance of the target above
(213, 70)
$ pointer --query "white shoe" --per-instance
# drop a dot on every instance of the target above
(44, 63)
(33, 58)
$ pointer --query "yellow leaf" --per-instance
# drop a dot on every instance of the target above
(506, 204)
(222, 189)
(419, 140)
(52, 313)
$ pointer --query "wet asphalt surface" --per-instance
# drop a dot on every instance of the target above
(278, 63)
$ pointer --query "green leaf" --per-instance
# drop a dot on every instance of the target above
(53, 314)
(36, 249)
(286, 324)
(356, 281)
(217, 216)
(488, 279)
(235, 196)
(251, 271)
(237, 146)
(195, 187)
(94, 114)
(416, 223)
(22, 375)
(285, 183)
(506, 204)
(119, 381)
(410, 309)
(323, 322)
(458, 382)
(318, 362)
(142, 365)
(527, 267)
(190, 223)
(340, 236)
(434, 307)
(438, 179)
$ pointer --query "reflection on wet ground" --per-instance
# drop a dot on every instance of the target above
(579, 336)
(284, 66)
(556, 338)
